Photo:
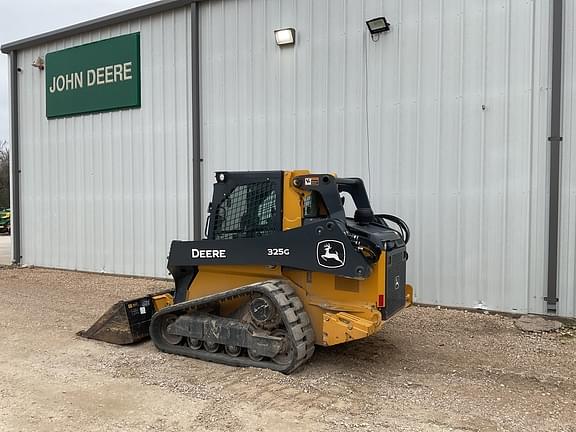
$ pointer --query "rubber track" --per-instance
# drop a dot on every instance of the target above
(295, 319)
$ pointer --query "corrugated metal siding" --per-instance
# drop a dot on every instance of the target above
(109, 191)
(567, 255)
(406, 114)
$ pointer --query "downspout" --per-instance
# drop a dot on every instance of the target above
(555, 140)
(14, 159)
(196, 146)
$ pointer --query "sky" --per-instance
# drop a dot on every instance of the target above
(31, 17)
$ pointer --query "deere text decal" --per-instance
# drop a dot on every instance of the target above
(99, 76)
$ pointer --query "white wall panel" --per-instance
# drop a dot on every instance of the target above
(109, 191)
(444, 117)
(567, 251)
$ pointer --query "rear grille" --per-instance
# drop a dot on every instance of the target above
(395, 282)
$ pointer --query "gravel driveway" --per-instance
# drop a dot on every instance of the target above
(427, 370)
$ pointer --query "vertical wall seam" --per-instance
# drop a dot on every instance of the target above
(397, 105)
(311, 93)
(506, 133)
(418, 156)
(438, 190)
(459, 228)
(481, 261)
(529, 239)
(164, 147)
(189, 158)
(570, 172)
(365, 117)
(176, 155)
(294, 117)
(196, 144)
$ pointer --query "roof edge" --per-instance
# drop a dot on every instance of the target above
(95, 24)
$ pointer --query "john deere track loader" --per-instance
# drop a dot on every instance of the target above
(282, 269)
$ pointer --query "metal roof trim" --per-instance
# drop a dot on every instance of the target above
(97, 23)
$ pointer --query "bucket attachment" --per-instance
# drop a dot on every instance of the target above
(128, 321)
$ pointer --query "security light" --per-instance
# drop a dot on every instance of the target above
(38, 63)
(285, 36)
(378, 25)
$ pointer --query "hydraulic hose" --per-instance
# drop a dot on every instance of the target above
(404, 230)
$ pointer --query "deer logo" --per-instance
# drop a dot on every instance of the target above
(331, 253)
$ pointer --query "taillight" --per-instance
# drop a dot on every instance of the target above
(381, 300)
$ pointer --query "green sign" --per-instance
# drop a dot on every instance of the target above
(99, 76)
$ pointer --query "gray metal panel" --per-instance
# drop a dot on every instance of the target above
(405, 113)
(567, 251)
(109, 191)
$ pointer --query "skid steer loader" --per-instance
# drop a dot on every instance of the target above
(282, 269)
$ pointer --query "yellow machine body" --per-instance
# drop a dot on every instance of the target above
(340, 309)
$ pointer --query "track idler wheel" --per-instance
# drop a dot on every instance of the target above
(263, 313)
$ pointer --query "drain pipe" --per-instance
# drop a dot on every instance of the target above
(555, 140)
(14, 160)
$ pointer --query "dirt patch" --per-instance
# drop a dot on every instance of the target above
(427, 370)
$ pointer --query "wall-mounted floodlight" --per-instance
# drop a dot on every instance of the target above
(285, 36)
(377, 26)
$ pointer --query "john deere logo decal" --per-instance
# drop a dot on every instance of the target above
(331, 253)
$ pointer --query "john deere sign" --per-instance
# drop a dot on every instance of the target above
(98, 76)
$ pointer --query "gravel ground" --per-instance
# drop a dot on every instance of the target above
(427, 370)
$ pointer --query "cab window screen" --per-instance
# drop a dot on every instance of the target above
(248, 211)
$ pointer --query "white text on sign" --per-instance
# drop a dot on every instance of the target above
(98, 76)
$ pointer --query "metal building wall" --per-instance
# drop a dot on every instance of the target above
(108, 192)
(445, 118)
(567, 244)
